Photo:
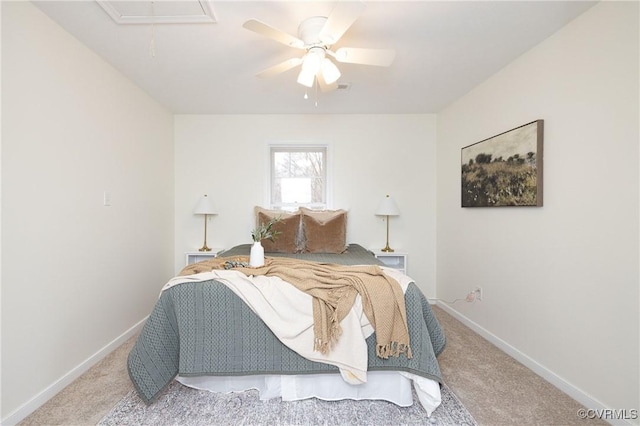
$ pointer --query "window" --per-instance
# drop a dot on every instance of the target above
(298, 176)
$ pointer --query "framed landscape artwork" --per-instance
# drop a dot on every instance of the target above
(504, 170)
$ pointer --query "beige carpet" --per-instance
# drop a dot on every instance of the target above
(496, 389)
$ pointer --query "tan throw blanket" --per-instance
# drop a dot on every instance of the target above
(334, 289)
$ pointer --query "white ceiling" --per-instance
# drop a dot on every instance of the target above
(443, 49)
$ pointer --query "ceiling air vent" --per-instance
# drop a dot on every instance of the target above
(344, 86)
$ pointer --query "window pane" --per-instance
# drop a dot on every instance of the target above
(298, 176)
(296, 190)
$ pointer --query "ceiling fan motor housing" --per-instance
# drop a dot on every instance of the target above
(309, 30)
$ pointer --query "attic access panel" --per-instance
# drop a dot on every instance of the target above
(159, 12)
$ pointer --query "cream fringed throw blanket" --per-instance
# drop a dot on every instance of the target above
(334, 289)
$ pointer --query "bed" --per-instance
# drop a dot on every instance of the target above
(202, 333)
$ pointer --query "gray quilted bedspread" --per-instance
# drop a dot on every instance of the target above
(204, 328)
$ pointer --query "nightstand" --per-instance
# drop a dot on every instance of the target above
(393, 259)
(199, 256)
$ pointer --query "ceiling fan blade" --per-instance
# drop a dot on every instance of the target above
(343, 15)
(324, 86)
(280, 68)
(273, 33)
(355, 55)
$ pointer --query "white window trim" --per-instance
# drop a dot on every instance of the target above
(287, 144)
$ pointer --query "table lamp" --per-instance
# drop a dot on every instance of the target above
(387, 208)
(205, 206)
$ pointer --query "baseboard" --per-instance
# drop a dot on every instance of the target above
(45, 395)
(582, 397)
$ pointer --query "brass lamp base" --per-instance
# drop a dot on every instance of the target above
(204, 246)
(387, 248)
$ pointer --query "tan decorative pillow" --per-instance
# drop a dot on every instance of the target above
(324, 231)
(288, 240)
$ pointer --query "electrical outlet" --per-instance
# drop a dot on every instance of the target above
(478, 293)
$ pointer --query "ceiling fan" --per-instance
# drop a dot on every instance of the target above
(316, 36)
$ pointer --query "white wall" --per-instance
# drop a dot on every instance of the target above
(73, 127)
(560, 282)
(75, 275)
(225, 156)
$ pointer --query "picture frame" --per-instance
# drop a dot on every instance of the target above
(504, 170)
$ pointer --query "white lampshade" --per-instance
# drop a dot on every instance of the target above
(310, 66)
(388, 207)
(306, 78)
(330, 72)
(205, 206)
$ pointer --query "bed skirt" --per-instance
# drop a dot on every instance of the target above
(391, 386)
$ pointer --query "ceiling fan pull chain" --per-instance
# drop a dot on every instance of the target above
(152, 46)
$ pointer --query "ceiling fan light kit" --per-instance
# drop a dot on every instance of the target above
(315, 61)
(316, 35)
(310, 66)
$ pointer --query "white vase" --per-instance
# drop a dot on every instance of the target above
(257, 255)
